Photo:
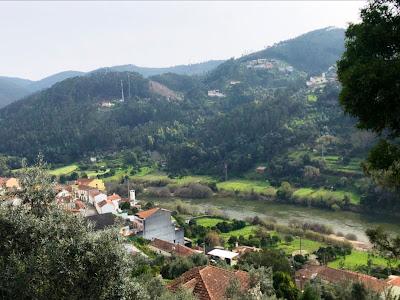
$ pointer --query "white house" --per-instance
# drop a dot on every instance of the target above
(95, 196)
(228, 256)
(157, 223)
(109, 205)
(215, 93)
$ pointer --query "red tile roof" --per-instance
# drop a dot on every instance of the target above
(176, 249)
(85, 188)
(3, 181)
(83, 181)
(336, 276)
(393, 280)
(94, 193)
(79, 204)
(147, 213)
(209, 282)
(114, 197)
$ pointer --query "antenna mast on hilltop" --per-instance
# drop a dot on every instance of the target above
(129, 87)
(122, 92)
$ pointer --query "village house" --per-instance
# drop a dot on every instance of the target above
(102, 221)
(93, 183)
(82, 192)
(261, 169)
(65, 198)
(241, 250)
(109, 205)
(209, 282)
(157, 223)
(168, 249)
(224, 255)
(9, 183)
(335, 276)
(216, 93)
(95, 196)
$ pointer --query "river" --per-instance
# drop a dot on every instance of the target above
(343, 221)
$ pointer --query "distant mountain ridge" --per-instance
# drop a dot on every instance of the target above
(191, 69)
(262, 106)
(12, 88)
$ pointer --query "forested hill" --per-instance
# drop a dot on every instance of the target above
(191, 69)
(245, 112)
(12, 89)
(312, 52)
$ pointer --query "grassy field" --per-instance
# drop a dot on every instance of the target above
(209, 222)
(333, 163)
(246, 231)
(308, 245)
(64, 170)
(93, 174)
(242, 185)
(311, 98)
(357, 258)
(315, 193)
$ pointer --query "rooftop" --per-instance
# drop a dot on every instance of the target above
(223, 253)
(148, 213)
(102, 221)
(177, 249)
(336, 276)
(209, 282)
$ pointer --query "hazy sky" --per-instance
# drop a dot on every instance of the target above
(41, 38)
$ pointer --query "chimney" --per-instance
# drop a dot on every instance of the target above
(132, 196)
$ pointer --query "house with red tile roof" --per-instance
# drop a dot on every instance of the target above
(168, 249)
(95, 196)
(157, 223)
(209, 282)
(9, 183)
(109, 205)
(394, 282)
(335, 276)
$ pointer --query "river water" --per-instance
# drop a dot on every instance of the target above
(343, 221)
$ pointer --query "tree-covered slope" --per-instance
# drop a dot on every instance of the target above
(191, 69)
(263, 110)
(312, 52)
(12, 89)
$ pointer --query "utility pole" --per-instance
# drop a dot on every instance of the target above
(226, 171)
(129, 87)
(122, 92)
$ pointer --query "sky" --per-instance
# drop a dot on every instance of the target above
(38, 39)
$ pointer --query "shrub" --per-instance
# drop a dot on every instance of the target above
(339, 233)
(351, 237)
(288, 238)
(159, 192)
(194, 190)
(285, 191)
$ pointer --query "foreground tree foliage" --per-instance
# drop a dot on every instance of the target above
(388, 245)
(369, 72)
(48, 253)
(58, 256)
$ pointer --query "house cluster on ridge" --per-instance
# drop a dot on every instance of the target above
(329, 275)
